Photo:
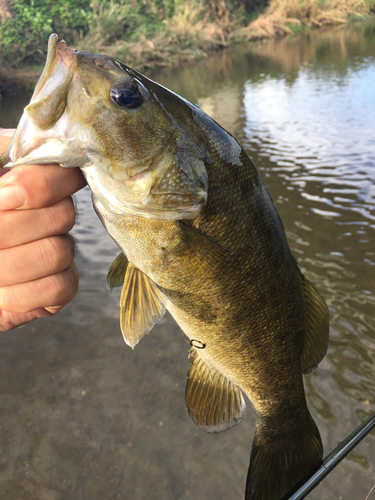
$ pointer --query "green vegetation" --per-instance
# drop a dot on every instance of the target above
(297, 28)
(26, 25)
(148, 33)
(117, 25)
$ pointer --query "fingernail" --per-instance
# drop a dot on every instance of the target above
(11, 197)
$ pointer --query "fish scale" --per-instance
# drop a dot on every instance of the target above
(200, 237)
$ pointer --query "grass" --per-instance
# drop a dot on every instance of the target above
(295, 16)
(195, 29)
(297, 28)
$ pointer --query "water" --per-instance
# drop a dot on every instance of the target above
(84, 417)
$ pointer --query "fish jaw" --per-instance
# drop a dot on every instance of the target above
(136, 161)
(44, 134)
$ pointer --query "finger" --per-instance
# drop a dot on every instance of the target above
(10, 320)
(48, 292)
(7, 132)
(35, 186)
(35, 260)
(18, 227)
(4, 142)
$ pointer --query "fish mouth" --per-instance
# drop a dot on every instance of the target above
(47, 104)
(59, 62)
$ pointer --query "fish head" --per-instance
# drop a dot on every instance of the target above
(122, 129)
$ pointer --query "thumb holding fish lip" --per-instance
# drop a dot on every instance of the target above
(36, 186)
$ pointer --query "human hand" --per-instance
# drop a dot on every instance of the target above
(38, 275)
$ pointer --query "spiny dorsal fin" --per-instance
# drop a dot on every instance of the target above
(116, 272)
(316, 326)
(213, 402)
(200, 254)
(141, 306)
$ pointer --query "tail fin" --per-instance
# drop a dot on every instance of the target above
(275, 468)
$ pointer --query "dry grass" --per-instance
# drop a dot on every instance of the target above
(192, 22)
(192, 32)
(287, 16)
(5, 11)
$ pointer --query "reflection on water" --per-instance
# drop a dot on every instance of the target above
(304, 109)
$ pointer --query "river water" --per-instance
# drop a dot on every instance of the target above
(84, 417)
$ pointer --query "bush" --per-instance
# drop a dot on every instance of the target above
(116, 24)
(25, 33)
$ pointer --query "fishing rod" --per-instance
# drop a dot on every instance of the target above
(333, 459)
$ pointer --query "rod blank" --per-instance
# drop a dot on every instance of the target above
(334, 458)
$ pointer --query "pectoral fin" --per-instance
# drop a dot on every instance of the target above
(200, 254)
(316, 326)
(141, 306)
(116, 272)
(213, 402)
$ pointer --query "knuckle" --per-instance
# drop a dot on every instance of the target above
(56, 252)
(45, 184)
(72, 278)
(72, 244)
(6, 223)
(63, 287)
(62, 216)
(9, 299)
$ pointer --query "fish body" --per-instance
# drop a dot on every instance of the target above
(199, 236)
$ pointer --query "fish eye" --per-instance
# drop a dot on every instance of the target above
(126, 95)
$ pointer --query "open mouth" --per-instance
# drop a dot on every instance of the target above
(65, 53)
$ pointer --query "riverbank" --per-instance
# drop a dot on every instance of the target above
(284, 17)
(153, 39)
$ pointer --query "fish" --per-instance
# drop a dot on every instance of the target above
(200, 237)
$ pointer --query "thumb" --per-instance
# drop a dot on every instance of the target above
(7, 132)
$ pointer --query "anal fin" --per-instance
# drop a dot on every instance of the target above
(213, 402)
(117, 271)
(316, 326)
(141, 306)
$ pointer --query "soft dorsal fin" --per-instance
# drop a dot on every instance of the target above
(116, 272)
(199, 253)
(141, 306)
(213, 402)
(316, 326)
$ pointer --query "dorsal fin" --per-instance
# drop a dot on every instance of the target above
(213, 402)
(141, 306)
(316, 326)
(116, 272)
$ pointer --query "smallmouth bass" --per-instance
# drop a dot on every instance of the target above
(199, 236)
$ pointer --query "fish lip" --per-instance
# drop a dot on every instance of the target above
(56, 45)
(65, 53)
(59, 68)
